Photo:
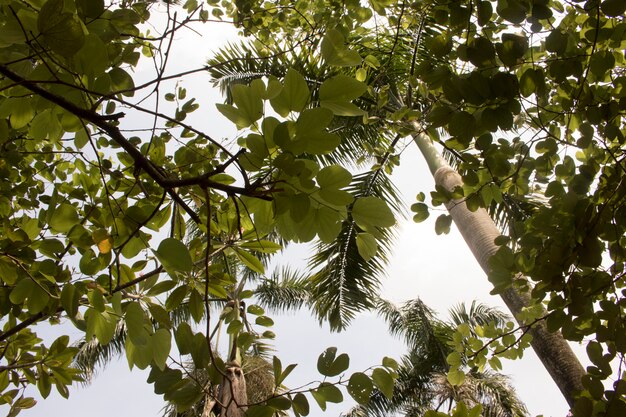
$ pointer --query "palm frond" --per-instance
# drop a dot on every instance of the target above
(497, 395)
(285, 290)
(243, 62)
(343, 283)
(479, 314)
(422, 383)
(93, 355)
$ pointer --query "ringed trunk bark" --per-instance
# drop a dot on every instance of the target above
(479, 232)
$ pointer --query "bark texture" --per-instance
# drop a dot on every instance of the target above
(232, 392)
(479, 232)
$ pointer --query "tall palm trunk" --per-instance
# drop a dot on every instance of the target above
(479, 232)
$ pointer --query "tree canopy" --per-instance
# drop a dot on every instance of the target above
(124, 219)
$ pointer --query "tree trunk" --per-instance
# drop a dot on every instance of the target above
(479, 232)
(232, 392)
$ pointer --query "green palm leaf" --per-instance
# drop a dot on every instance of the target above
(285, 290)
(343, 282)
(422, 383)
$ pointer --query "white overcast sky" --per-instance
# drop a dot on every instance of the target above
(438, 269)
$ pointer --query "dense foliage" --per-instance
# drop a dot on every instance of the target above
(526, 96)
(95, 211)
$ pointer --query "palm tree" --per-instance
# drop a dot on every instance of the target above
(422, 383)
(398, 56)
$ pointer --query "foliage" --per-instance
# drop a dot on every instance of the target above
(529, 95)
(423, 380)
(95, 211)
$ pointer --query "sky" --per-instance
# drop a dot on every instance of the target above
(438, 269)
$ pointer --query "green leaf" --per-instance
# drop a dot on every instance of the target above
(443, 223)
(121, 81)
(300, 404)
(135, 324)
(184, 338)
(174, 255)
(360, 387)
(421, 212)
(315, 119)
(248, 102)
(456, 377)
(264, 246)
(462, 125)
(328, 365)
(176, 298)
(512, 10)
(161, 344)
(334, 50)
(102, 325)
(234, 115)
(454, 359)
(512, 49)
(255, 309)
(372, 211)
(200, 351)
(366, 245)
(333, 177)
(342, 88)
(70, 299)
(22, 291)
(249, 260)
(91, 8)
(8, 271)
(279, 403)
(327, 392)
(96, 299)
(264, 321)
(64, 218)
(613, 8)
(390, 363)
(286, 373)
(383, 381)
(320, 142)
(343, 108)
(196, 306)
(294, 95)
(335, 197)
(61, 31)
(328, 224)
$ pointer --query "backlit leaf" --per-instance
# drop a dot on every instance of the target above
(174, 255)
(366, 245)
(372, 211)
(360, 387)
(334, 50)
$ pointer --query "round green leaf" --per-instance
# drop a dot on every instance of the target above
(366, 245)
(372, 211)
(333, 177)
(456, 377)
(328, 365)
(360, 387)
(342, 88)
(383, 381)
(64, 218)
(61, 31)
(334, 50)
(300, 404)
(174, 255)
(421, 212)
